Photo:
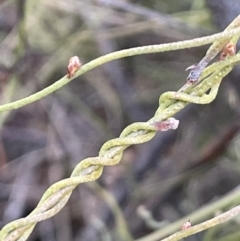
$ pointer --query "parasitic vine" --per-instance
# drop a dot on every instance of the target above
(207, 80)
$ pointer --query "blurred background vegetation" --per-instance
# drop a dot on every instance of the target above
(173, 175)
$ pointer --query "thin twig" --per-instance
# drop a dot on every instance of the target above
(195, 217)
(205, 225)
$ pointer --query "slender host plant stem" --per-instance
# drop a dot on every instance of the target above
(205, 225)
(195, 217)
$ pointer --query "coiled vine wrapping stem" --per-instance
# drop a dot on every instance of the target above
(91, 168)
(111, 152)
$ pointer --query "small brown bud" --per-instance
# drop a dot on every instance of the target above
(229, 49)
(73, 66)
(186, 225)
(168, 124)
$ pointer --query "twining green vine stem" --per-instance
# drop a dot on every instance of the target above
(111, 152)
(117, 55)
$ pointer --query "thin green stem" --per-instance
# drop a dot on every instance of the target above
(195, 217)
(117, 55)
(205, 225)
